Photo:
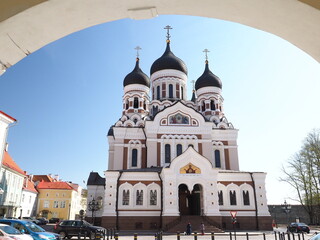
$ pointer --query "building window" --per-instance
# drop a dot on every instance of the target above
(179, 149)
(167, 153)
(135, 102)
(22, 199)
(46, 204)
(191, 145)
(170, 91)
(246, 200)
(57, 194)
(55, 204)
(220, 196)
(213, 106)
(125, 197)
(62, 204)
(134, 158)
(158, 92)
(139, 199)
(182, 93)
(47, 194)
(30, 198)
(153, 197)
(203, 106)
(217, 158)
(233, 198)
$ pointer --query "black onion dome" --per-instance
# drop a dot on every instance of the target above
(208, 79)
(136, 77)
(110, 132)
(168, 61)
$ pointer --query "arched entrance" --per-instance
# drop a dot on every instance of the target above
(190, 203)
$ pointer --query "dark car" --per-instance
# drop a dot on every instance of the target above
(42, 221)
(69, 228)
(298, 227)
(54, 220)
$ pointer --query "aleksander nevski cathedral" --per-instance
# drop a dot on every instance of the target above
(172, 159)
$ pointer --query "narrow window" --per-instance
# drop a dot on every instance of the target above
(203, 106)
(191, 145)
(233, 198)
(127, 104)
(182, 93)
(158, 93)
(167, 150)
(213, 106)
(179, 149)
(139, 199)
(220, 196)
(153, 93)
(246, 200)
(135, 102)
(163, 90)
(177, 91)
(125, 197)
(134, 158)
(170, 91)
(153, 197)
(217, 158)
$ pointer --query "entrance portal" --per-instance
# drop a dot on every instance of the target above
(190, 203)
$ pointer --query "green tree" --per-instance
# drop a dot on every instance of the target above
(303, 174)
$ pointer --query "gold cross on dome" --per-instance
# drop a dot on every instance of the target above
(206, 52)
(138, 49)
(168, 33)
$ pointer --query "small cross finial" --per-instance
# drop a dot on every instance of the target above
(138, 49)
(193, 82)
(206, 52)
(168, 33)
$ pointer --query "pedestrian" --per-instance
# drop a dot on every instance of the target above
(189, 229)
(202, 228)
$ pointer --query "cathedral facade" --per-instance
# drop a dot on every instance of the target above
(171, 158)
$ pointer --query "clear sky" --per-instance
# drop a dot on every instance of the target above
(67, 94)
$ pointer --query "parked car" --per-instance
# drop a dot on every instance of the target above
(32, 219)
(315, 237)
(69, 228)
(42, 221)
(54, 220)
(13, 233)
(31, 228)
(298, 227)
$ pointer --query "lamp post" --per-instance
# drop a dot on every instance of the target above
(93, 206)
(287, 209)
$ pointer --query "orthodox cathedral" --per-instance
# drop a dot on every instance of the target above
(172, 159)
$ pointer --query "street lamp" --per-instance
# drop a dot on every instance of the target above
(93, 206)
(287, 209)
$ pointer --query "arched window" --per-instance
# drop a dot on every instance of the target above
(127, 104)
(170, 91)
(220, 196)
(139, 199)
(191, 145)
(217, 158)
(167, 153)
(203, 106)
(158, 93)
(153, 197)
(233, 198)
(179, 149)
(135, 102)
(246, 200)
(182, 93)
(213, 106)
(125, 197)
(134, 158)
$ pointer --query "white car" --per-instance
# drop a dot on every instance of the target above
(315, 237)
(11, 233)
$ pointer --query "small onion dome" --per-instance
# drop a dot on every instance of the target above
(208, 79)
(168, 61)
(110, 132)
(136, 77)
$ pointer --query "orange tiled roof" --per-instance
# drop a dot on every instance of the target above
(29, 186)
(43, 178)
(13, 119)
(54, 185)
(8, 161)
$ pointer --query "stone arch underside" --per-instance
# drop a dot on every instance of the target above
(37, 26)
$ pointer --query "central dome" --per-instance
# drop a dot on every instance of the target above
(168, 61)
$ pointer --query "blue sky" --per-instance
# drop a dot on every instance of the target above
(67, 94)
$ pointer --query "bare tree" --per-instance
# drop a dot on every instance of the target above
(303, 174)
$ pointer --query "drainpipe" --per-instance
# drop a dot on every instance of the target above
(117, 200)
(161, 210)
(255, 200)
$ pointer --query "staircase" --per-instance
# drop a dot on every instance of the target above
(181, 226)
